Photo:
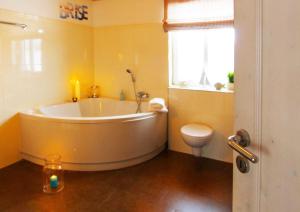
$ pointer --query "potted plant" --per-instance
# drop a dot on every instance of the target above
(230, 84)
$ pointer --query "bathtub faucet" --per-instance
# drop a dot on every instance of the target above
(141, 95)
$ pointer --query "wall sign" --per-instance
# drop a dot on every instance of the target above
(74, 11)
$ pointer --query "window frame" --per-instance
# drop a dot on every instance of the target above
(173, 79)
(190, 25)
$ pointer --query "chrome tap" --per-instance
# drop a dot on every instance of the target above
(141, 95)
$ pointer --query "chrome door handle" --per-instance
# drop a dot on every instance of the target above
(239, 141)
(244, 152)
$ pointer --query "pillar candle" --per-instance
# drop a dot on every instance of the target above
(77, 90)
(53, 181)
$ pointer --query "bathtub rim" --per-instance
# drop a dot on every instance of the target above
(90, 120)
(36, 114)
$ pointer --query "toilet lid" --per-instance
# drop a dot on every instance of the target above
(196, 130)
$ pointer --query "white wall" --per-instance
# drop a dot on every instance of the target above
(44, 8)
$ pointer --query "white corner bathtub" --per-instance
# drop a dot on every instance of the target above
(93, 134)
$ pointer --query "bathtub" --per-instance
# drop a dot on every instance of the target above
(93, 134)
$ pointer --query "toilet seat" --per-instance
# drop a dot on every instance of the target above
(196, 136)
(196, 131)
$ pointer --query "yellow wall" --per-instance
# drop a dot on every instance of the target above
(125, 12)
(67, 53)
(141, 48)
(212, 108)
(125, 37)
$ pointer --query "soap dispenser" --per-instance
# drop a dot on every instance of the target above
(122, 96)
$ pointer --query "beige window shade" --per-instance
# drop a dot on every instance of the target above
(185, 14)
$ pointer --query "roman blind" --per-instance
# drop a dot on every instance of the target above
(191, 14)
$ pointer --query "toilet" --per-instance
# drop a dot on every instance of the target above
(196, 136)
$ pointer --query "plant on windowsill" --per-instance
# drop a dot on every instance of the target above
(230, 85)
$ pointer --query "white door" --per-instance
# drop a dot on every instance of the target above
(268, 104)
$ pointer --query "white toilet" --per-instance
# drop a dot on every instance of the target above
(196, 136)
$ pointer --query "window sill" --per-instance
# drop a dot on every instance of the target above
(199, 88)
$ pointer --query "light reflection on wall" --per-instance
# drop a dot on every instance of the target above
(27, 54)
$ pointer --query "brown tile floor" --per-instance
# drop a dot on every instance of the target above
(170, 182)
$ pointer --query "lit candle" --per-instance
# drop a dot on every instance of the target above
(53, 181)
(77, 90)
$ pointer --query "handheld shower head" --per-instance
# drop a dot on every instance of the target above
(131, 74)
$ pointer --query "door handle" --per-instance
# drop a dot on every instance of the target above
(239, 141)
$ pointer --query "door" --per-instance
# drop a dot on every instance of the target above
(247, 101)
(267, 101)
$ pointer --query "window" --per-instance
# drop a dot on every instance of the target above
(201, 41)
(201, 57)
